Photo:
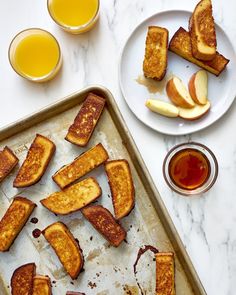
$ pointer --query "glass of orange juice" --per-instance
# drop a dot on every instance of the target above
(74, 16)
(35, 55)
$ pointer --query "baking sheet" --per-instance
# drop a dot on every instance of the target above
(108, 270)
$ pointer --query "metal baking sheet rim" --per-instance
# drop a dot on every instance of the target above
(71, 101)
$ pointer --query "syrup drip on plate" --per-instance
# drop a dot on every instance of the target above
(36, 233)
(140, 253)
(152, 85)
(34, 220)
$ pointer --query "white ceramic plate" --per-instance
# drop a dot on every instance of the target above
(222, 89)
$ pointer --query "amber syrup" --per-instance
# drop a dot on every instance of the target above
(189, 169)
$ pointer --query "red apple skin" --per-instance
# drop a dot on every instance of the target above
(196, 117)
(175, 97)
(192, 89)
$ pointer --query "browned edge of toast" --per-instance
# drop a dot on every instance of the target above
(7, 215)
(67, 190)
(113, 190)
(75, 243)
(24, 273)
(110, 229)
(181, 45)
(86, 120)
(24, 180)
(8, 161)
(165, 273)
(150, 67)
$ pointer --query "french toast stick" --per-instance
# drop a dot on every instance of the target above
(36, 162)
(181, 45)
(85, 122)
(42, 285)
(66, 247)
(103, 221)
(121, 185)
(13, 221)
(202, 31)
(8, 161)
(22, 280)
(155, 59)
(83, 164)
(165, 273)
(74, 197)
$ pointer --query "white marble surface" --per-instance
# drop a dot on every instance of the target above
(206, 224)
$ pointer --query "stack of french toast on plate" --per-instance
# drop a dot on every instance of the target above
(198, 46)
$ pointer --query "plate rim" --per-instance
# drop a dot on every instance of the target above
(181, 133)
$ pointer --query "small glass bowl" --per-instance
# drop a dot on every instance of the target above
(12, 49)
(213, 171)
(75, 29)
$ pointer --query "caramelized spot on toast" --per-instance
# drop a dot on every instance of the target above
(42, 285)
(7, 162)
(155, 60)
(22, 280)
(202, 31)
(81, 166)
(66, 247)
(121, 185)
(103, 221)
(14, 220)
(74, 197)
(81, 130)
(181, 45)
(165, 274)
(36, 162)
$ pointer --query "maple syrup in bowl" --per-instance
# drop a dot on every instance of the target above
(190, 168)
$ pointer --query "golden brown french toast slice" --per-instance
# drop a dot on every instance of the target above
(66, 247)
(202, 31)
(42, 285)
(36, 162)
(83, 164)
(13, 221)
(155, 59)
(85, 122)
(165, 273)
(8, 161)
(22, 280)
(121, 185)
(74, 197)
(181, 45)
(103, 221)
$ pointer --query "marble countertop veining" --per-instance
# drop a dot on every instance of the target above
(206, 224)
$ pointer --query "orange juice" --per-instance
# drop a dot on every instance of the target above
(35, 55)
(75, 16)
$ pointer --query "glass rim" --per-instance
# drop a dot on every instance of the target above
(73, 28)
(42, 78)
(203, 188)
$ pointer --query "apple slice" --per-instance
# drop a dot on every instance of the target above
(178, 93)
(162, 108)
(195, 113)
(197, 87)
